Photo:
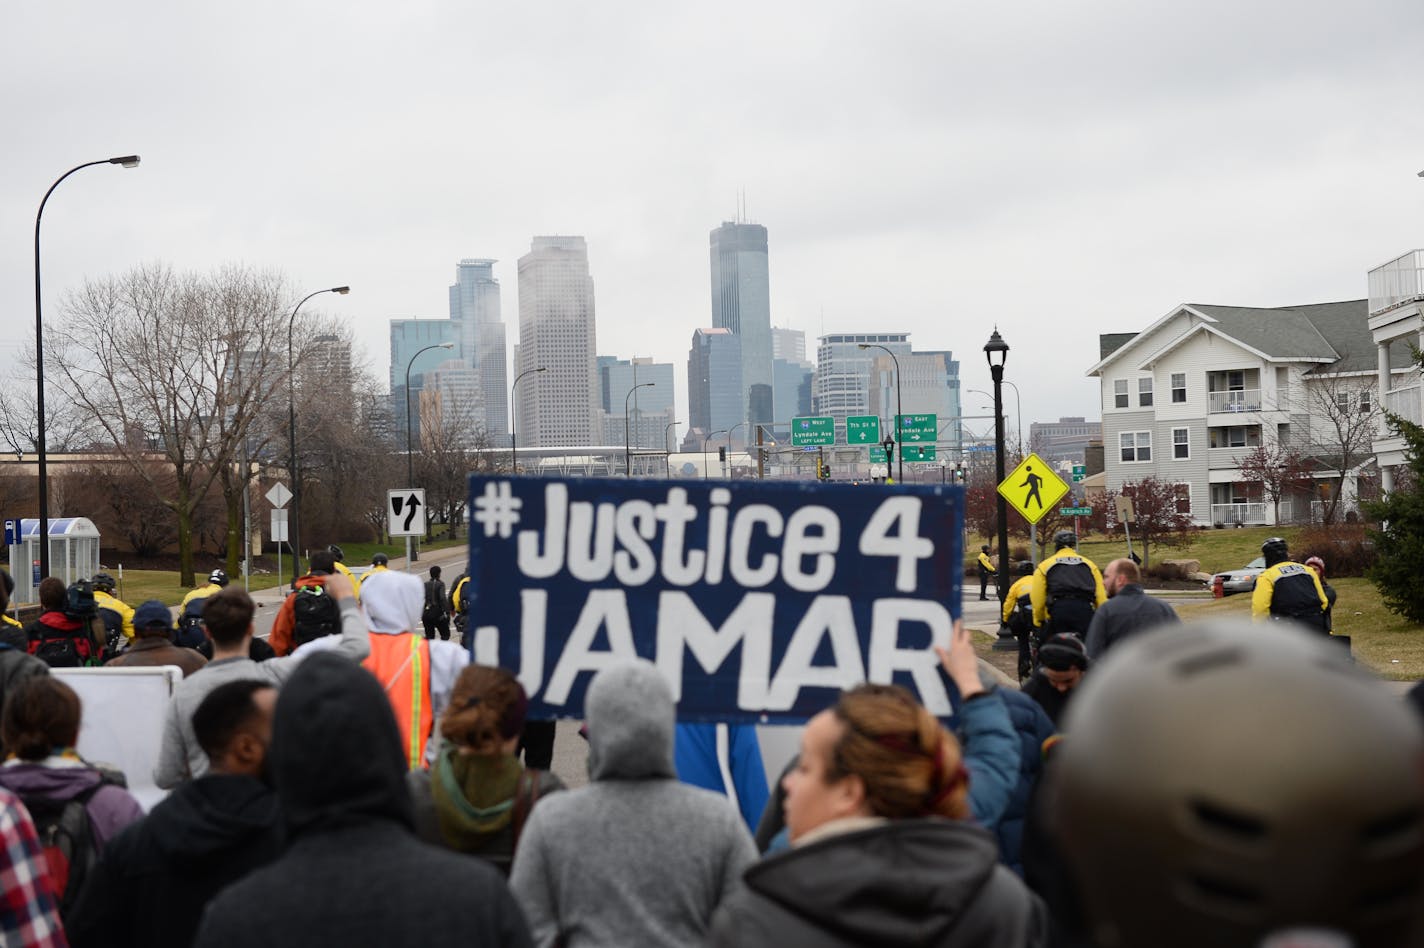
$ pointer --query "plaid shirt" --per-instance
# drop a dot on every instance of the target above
(29, 913)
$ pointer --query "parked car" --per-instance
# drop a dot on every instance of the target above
(1241, 580)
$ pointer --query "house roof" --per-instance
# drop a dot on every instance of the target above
(1337, 335)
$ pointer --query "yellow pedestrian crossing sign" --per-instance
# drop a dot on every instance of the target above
(1033, 489)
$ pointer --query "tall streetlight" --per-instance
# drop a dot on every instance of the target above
(730, 432)
(1018, 407)
(899, 405)
(413, 554)
(294, 529)
(627, 438)
(667, 448)
(704, 449)
(127, 161)
(513, 438)
(996, 351)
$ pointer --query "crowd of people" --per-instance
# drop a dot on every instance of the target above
(1220, 783)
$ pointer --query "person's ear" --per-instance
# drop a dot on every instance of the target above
(851, 794)
(246, 751)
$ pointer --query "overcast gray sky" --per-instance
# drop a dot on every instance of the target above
(1060, 169)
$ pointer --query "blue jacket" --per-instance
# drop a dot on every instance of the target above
(991, 754)
(1033, 727)
(701, 763)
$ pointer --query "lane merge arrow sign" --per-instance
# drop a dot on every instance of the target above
(405, 512)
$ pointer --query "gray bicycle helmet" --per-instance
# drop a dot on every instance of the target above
(104, 581)
(380, 559)
(1065, 538)
(1274, 550)
(335, 551)
(1238, 782)
(218, 576)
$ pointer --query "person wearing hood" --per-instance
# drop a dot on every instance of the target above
(40, 727)
(477, 796)
(883, 848)
(418, 674)
(227, 617)
(154, 879)
(353, 872)
(636, 857)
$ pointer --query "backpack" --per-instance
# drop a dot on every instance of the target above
(66, 837)
(59, 649)
(314, 614)
(190, 632)
(113, 631)
(79, 601)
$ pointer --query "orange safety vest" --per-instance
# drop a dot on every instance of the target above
(401, 663)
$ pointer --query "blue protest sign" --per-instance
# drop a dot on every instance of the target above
(757, 600)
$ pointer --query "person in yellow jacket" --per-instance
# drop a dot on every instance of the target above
(380, 563)
(104, 598)
(1287, 590)
(986, 569)
(336, 553)
(12, 630)
(1067, 588)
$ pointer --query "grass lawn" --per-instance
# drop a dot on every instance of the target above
(1390, 644)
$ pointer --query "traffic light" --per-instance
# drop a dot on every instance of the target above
(722, 454)
(825, 473)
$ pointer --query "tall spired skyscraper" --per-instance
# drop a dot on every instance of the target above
(741, 304)
(474, 307)
(557, 407)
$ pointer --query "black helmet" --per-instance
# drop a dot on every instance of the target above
(984, 548)
(380, 559)
(335, 551)
(218, 576)
(1274, 550)
(1026, 568)
(1065, 538)
(104, 581)
(1174, 840)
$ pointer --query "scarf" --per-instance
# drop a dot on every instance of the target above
(474, 796)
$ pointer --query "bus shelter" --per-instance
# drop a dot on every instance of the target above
(73, 554)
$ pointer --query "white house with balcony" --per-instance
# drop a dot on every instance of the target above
(1184, 399)
(1396, 297)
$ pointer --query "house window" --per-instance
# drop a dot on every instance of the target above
(1241, 436)
(1342, 401)
(1120, 393)
(1136, 446)
(1365, 403)
(1236, 380)
(1183, 497)
(1179, 387)
(1181, 447)
(1144, 393)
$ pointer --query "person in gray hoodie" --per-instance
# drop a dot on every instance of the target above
(635, 858)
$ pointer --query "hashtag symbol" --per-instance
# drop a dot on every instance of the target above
(498, 509)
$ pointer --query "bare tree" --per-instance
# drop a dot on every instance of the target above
(1281, 469)
(1346, 416)
(184, 361)
(67, 428)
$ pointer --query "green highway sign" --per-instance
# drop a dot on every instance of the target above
(1079, 472)
(863, 429)
(813, 431)
(918, 428)
(917, 452)
(1076, 511)
(877, 455)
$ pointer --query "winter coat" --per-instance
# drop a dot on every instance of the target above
(635, 857)
(353, 873)
(111, 808)
(155, 878)
(1033, 727)
(1126, 614)
(922, 882)
(150, 650)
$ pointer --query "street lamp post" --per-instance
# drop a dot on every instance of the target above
(41, 450)
(996, 351)
(294, 528)
(627, 438)
(899, 405)
(704, 449)
(513, 437)
(667, 448)
(413, 554)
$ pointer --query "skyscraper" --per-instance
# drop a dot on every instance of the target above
(557, 333)
(788, 344)
(474, 306)
(408, 337)
(930, 385)
(714, 381)
(843, 370)
(741, 303)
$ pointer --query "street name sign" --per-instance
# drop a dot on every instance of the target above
(1033, 488)
(877, 455)
(918, 428)
(1076, 511)
(917, 452)
(813, 431)
(863, 429)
